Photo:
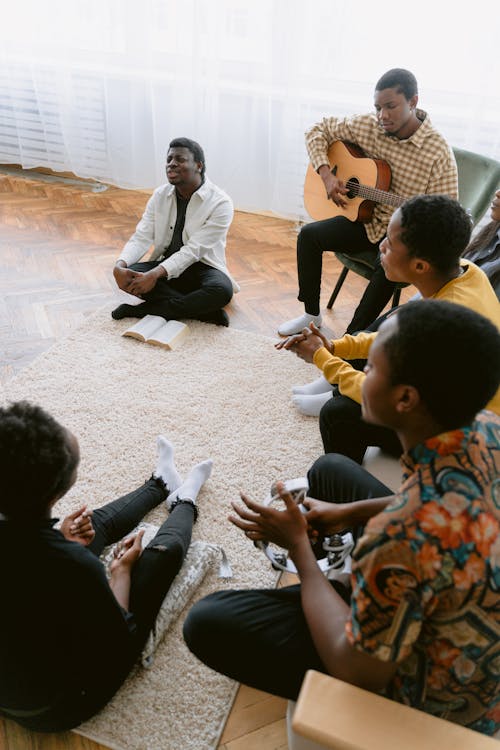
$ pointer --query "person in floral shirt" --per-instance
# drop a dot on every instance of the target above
(421, 624)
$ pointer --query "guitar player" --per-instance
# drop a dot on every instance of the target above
(420, 161)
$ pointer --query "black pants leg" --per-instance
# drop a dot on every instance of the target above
(342, 427)
(115, 520)
(197, 292)
(343, 430)
(338, 479)
(331, 234)
(375, 297)
(261, 637)
(161, 560)
(258, 637)
(155, 570)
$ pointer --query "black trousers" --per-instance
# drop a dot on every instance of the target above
(343, 429)
(160, 561)
(339, 234)
(198, 291)
(261, 637)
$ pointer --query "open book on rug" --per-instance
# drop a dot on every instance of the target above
(155, 330)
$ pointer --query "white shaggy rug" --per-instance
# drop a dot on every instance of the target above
(223, 394)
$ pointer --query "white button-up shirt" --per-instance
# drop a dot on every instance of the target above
(208, 217)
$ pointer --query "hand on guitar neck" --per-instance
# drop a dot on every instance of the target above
(335, 188)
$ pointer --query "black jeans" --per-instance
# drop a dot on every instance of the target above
(339, 234)
(261, 637)
(161, 560)
(198, 291)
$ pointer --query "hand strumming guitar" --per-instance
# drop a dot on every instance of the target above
(335, 188)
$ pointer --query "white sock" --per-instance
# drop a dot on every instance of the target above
(165, 467)
(311, 405)
(193, 483)
(297, 324)
(320, 385)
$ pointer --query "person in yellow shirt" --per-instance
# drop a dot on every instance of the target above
(425, 240)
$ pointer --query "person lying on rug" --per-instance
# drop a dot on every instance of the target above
(187, 222)
(68, 638)
(424, 242)
(421, 623)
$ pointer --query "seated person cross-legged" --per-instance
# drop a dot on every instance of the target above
(424, 242)
(421, 623)
(187, 223)
(68, 637)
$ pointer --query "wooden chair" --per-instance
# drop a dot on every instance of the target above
(333, 714)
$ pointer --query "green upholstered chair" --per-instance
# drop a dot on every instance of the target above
(478, 178)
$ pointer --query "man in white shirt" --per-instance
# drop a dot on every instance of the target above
(187, 221)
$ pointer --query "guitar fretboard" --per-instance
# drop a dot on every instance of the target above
(374, 194)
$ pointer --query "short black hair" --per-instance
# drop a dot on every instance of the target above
(36, 461)
(400, 79)
(450, 354)
(195, 149)
(435, 228)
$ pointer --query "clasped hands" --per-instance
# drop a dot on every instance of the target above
(306, 343)
(137, 282)
(77, 527)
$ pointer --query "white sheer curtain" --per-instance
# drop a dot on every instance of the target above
(99, 87)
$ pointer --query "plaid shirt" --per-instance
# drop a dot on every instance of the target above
(423, 163)
(426, 579)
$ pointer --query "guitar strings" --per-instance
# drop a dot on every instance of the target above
(375, 194)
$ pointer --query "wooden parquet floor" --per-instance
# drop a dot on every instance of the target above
(57, 248)
(58, 243)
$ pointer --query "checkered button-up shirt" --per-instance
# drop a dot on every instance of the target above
(422, 163)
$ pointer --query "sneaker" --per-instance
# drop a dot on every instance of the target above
(290, 327)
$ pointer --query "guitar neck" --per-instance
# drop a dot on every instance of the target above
(374, 194)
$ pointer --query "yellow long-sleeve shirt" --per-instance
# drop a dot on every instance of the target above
(471, 289)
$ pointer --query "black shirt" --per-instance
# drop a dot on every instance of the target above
(176, 242)
(63, 635)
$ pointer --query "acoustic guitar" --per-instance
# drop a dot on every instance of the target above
(367, 181)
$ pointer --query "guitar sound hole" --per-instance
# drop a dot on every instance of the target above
(352, 186)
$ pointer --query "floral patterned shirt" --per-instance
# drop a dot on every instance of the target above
(426, 579)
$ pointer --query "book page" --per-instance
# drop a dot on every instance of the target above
(170, 335)
(145, 327)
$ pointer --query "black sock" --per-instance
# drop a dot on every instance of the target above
(130, 311)
(218, 317)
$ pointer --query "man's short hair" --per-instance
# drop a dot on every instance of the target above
(450, 354)
(36, 461)
(400, 79)
(435, 228)
(195, 149)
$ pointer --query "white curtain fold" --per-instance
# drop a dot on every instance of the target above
(99, 87)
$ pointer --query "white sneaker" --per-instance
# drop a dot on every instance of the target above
(297, 324)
